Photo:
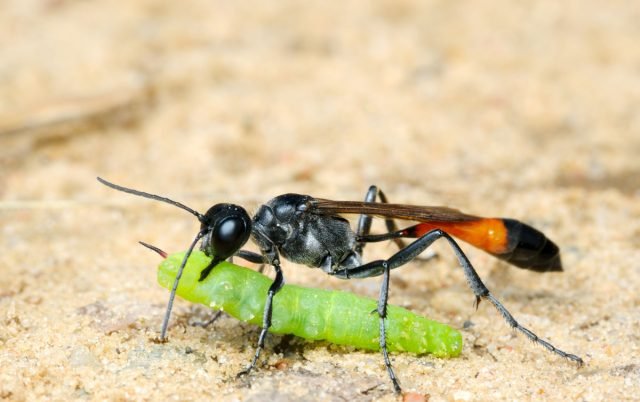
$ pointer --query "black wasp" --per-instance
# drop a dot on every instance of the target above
(310, 231)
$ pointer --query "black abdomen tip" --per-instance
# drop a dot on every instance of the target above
(530, 249)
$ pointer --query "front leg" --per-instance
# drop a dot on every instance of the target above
(244, 254)
(272, 257)
(251, 256)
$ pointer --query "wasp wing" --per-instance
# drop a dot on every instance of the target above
(508, 239)
(398, 211)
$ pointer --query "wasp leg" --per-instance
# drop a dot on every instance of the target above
(255, 258)
(206, 323)
(364, 225)
(250, 256)
(382, 313)
(382, 267)
(276, 285)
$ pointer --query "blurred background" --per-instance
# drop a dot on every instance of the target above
(526, 110)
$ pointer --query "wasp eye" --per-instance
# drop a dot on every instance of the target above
(229, 229)
(229, 235)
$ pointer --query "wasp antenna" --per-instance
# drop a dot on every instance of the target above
(172, 296)
(151, 196)
(162, 253)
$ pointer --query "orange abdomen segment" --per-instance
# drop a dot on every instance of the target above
(508, 239)
(488, 234)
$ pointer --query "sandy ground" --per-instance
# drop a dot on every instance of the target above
(494, 107)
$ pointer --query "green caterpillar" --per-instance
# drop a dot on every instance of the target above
(338, 317)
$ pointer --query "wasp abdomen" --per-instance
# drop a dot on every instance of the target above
(529, 248)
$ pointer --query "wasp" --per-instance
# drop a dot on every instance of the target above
(313, 232)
